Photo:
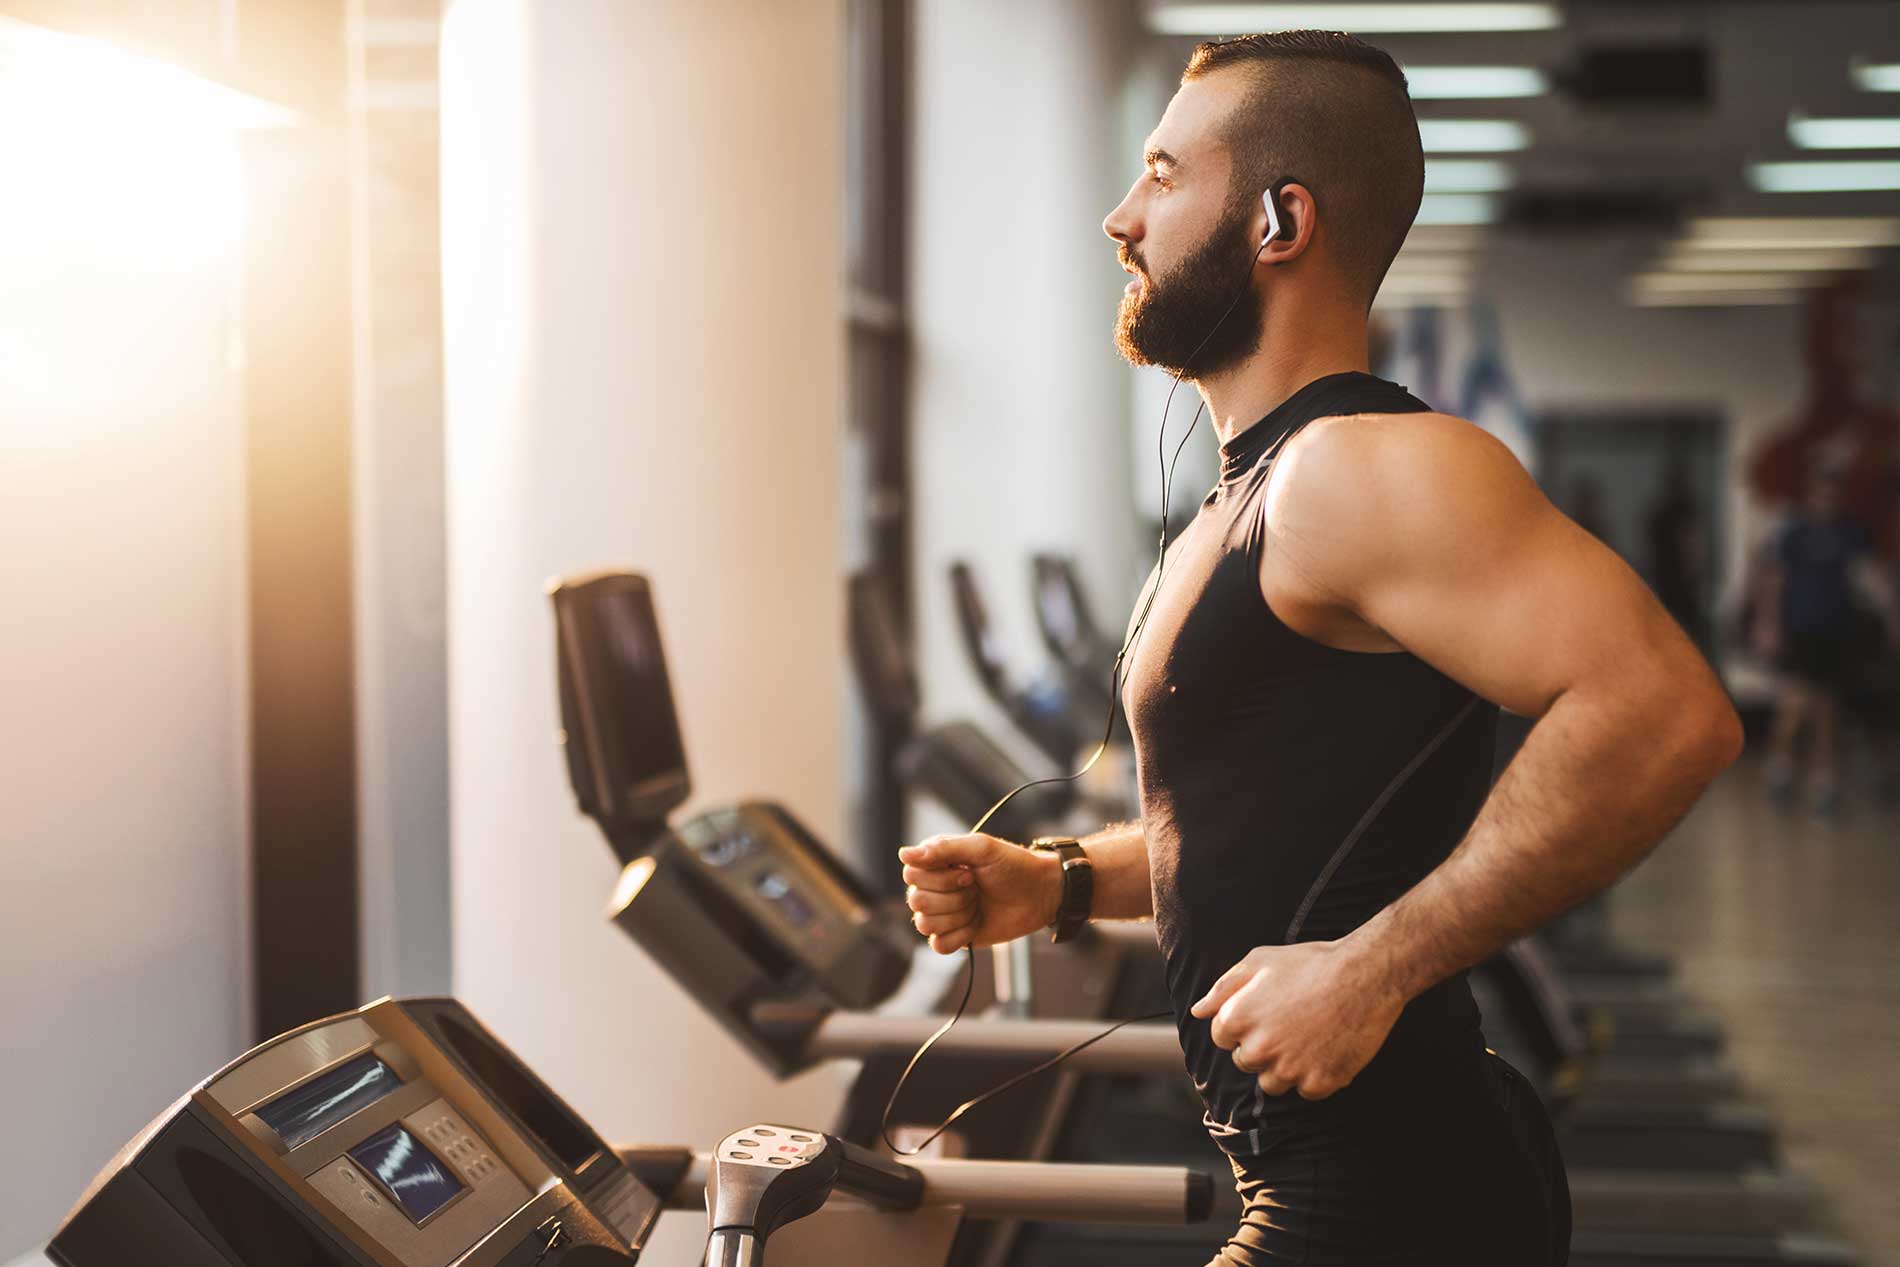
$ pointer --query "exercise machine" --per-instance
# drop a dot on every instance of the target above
(406, 1134)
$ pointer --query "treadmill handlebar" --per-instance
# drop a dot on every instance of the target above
(1057, 1192)
(1142, 1048)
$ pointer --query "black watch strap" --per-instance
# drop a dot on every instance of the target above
(1078, 885)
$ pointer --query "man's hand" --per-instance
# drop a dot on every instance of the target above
(978, 890)
(1306, 1017)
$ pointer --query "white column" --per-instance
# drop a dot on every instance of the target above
(643, 311)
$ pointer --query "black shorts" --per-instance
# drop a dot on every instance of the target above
(1821, 660)
(1437, 1179)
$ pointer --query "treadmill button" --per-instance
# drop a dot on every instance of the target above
(741, 1156)
(780, 1161)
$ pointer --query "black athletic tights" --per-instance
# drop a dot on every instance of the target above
(1411, 1184)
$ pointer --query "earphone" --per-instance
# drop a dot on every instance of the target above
(1279, 227)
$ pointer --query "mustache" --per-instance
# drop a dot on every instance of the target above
(1129, 259)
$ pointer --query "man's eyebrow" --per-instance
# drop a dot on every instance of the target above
(1158, 157)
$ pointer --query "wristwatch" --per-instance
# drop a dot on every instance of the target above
(1078, 885)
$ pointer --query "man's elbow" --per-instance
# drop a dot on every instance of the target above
(1711, 734)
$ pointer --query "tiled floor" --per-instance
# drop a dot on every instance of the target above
(1788, 928)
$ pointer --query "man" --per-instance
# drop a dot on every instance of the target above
(1807, 620)
(1313, 692)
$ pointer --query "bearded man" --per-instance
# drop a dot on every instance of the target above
(1313, 695)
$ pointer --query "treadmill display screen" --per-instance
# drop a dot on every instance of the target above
(641, 696)
(420, 1183)
(307, 1111)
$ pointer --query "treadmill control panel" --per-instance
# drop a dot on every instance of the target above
(403, 1133)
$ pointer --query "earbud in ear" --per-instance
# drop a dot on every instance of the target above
(1280, 226)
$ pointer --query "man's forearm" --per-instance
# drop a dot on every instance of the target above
(1119, 855)
(1597, 783)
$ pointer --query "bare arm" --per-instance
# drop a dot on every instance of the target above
(1427, 532)
(1119, 855)
(979, 890)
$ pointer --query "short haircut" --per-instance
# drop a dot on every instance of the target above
(1330, 112)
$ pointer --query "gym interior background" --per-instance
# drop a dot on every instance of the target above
(332, 330)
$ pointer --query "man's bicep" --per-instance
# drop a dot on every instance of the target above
(1554, 608)
(1488, 582)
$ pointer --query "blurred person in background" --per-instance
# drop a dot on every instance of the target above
(1806, 618)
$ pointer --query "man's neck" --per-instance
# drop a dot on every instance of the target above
(1293, 351)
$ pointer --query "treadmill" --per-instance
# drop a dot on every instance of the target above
(406, 1134)
(675, 913)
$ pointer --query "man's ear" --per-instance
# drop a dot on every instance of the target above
(1288, 215)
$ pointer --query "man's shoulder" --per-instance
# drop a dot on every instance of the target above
(1353, 464)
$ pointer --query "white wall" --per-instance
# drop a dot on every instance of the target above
(1019, 402)
(122, 669)
(644, 331)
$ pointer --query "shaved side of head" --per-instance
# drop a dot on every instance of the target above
(1330, 112)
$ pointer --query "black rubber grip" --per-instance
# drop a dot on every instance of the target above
(1200, 1196)
(883, 1181)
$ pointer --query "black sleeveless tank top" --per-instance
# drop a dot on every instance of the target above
(1290, 790)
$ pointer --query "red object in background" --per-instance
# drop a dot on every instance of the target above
(1836, 425)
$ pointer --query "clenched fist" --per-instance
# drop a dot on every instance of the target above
(977, 890)
(1306, 1017)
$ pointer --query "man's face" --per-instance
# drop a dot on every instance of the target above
(1189, 243)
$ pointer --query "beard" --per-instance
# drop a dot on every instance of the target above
(1166, 320)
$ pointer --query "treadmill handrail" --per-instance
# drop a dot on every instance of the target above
(1145, 1048)
(1064, 1192)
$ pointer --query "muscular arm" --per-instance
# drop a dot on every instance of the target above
(1427, 529)
(1119, 855)
(1422, 532)
(979, 890)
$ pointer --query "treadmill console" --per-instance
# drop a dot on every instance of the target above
(743, 907)
(400, 1135)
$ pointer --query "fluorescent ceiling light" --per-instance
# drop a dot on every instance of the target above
(52, 78)
(1467, 176)
(1436, 267)
(1435, 209)
(1444, 237)
(1388, 18)
(1844, 134)
(1473, 136)
(1684, 258)
(1750, 233)
(1713, 299)
(1877, 78)
(1475, 83)
(1661, 283)
(1824, 177)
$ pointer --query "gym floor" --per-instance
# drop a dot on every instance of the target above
(1781, 923)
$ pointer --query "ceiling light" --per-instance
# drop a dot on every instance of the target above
(1844, 134)
(1748, 233)
(1444, 237)
(1713, 298)
(1467, 176)
(1387, 18)
(1663, 283)
(1824, 177)
(1475, 83)
(1435, 209)
(1877, 78)
(1473, 136)
(1687, 259)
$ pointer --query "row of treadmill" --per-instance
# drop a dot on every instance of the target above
(407, 1134)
